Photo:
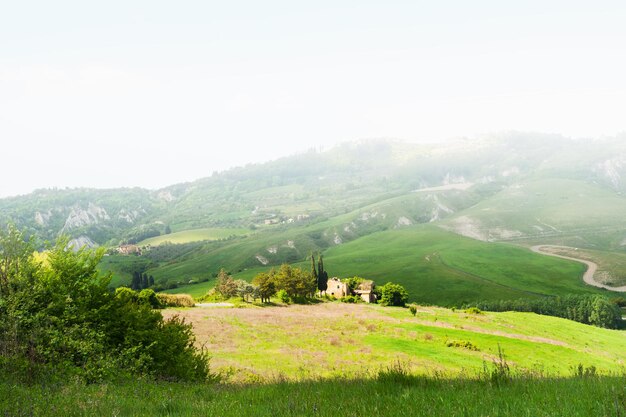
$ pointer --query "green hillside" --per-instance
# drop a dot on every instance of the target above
(436, 267)
(547, 210)
(442, 268)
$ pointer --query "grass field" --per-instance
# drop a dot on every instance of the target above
(336, 359)
(572, 397)
(333, 340)
(194, 235)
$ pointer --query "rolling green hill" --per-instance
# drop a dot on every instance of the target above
(436, 267)
(363, 203)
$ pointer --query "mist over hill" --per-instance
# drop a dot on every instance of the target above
(323, 184)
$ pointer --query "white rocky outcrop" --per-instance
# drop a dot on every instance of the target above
(166, 196)
(262, 259)
(610, 169)
(404, 221)
(128, 215)
(81, 242)
(42, 219)
(79, 217)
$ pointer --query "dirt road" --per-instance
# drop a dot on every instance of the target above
(592, 267)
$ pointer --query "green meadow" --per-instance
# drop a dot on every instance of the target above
(331, 340)
(194, 235)
(336, 359)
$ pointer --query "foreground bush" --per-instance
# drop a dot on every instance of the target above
(58, 317)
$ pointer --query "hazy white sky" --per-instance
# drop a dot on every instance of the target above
(150, 93)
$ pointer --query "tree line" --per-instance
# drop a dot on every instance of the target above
(596, 310)
(293, 284)
(141, 281)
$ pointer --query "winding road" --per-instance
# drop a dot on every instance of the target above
(592, 267)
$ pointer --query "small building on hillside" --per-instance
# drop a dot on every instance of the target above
(129, 250)
(336, 288)
(365, 290)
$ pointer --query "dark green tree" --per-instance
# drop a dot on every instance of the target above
(393, 295)
(295, 282)
(144, 281)
(313, 270)
(15, 252)
(151, 281)
(266, 285)
(322, 276)
(226, 286)
(135, 284)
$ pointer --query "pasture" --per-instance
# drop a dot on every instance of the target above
(332, 340)
(194, 235)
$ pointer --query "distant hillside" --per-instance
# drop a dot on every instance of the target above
(518, 188)
(318, 184)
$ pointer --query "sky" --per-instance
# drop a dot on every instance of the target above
(151, 93)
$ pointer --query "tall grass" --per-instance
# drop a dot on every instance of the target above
(385, 396)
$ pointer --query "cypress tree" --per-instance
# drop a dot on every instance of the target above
(313, 271)
(322, 276)
(135, 284)
(144, 281)
(151, 281)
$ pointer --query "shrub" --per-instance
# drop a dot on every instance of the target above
(393, 295)
(149, 297)
(473, 310)
(352, 299)
(413, 309)
(176, 300)
(283, 296)
(464, 344)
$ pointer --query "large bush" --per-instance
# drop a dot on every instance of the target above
(57, 314)
(393, 295)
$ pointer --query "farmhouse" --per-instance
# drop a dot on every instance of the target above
(365, 290)
(336, 288)
(129, 250)
(339, 289)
